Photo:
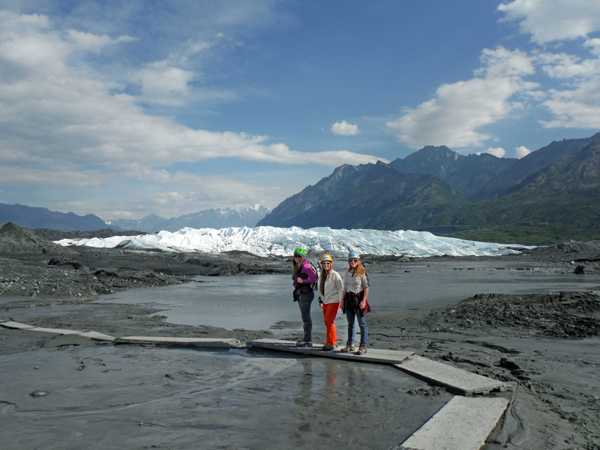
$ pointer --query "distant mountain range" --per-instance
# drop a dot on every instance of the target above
(551, 194)
(208, 218)
(32, 217)
(42, 218)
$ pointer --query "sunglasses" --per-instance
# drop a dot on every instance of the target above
(297, 256)
(353, 260)
(326, 263)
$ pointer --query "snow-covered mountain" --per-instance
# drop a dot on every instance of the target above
(208, 218)
(266, 241)
(147, 224)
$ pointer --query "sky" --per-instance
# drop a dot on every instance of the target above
(123, 109)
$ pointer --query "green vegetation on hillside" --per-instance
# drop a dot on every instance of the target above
(555, 204)
(538, 234)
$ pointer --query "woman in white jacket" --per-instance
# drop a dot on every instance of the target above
(330, 295)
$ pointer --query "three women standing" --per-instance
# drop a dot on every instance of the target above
(304, 277)
(330, 290)
(354, 302)
(351, 296)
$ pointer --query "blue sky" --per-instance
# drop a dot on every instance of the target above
(123, 109)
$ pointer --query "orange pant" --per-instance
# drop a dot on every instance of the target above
(329, 312)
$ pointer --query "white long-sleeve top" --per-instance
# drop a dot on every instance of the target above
(333, 287)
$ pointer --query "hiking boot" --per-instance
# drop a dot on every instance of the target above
(348, 348)
(362, 350)
(328, 348)
(304, 344)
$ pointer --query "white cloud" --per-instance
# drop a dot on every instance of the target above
(64, 125)
(52, 115)
(193, 193)
(164, 85)
(554, 20)
(458, 110)
(522, 151)
(343, 128)
(562, 65)
(576, 103)
(498, 152)
(593, 45)
(52, 177)
(94, 42)
(578, 108)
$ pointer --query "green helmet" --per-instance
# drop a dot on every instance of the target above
(300, 251)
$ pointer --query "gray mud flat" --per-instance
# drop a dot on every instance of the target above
(63, 396)
(60, 392)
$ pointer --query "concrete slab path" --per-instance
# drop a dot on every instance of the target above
(178, 341)
(462, 424)
(457, 380)
(94, 335)
(372, 355)
(15, 325)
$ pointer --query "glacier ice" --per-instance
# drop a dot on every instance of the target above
(266, 241)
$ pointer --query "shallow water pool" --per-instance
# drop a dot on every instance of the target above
(148, 397)
(260, 302)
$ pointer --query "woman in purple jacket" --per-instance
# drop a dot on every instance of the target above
(304, 277)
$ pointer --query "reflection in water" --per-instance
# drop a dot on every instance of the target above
(349, 405)
(330, 377)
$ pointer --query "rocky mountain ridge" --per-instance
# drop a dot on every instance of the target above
(555, 189)
(566, 192)
(373, 196)
(467, 174)
(530, 164)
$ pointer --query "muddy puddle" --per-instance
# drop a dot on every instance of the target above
(136, 397)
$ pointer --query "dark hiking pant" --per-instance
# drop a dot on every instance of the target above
(305, 302)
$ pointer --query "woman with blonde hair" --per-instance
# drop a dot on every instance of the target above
(330, 295)
(354, 302)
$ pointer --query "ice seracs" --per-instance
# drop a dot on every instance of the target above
(266, 241)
